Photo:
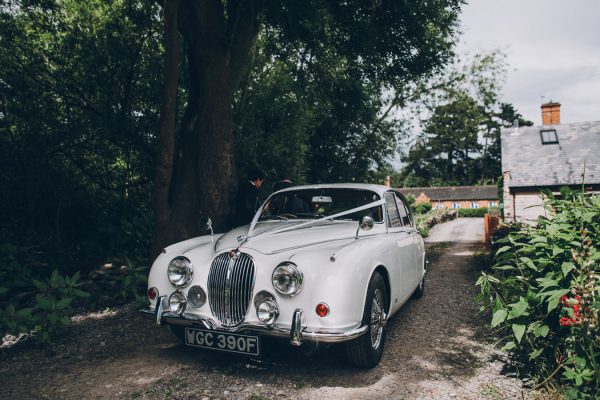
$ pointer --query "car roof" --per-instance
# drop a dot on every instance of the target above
(379, 189)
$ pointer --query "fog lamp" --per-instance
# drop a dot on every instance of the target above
(177, 302)
(267, 312)
(196, 296)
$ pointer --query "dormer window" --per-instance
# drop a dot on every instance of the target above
(549, 136)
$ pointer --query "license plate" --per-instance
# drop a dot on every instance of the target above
(231, 342)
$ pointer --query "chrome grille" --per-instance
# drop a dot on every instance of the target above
(230, 284)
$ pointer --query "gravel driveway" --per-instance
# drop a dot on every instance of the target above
(458, 230)
(438, 348)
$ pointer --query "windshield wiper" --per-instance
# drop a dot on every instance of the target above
(310, 215)
(277, 217)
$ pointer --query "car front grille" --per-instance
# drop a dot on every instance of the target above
(230, 284)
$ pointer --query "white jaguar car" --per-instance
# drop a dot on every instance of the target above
(326, 263)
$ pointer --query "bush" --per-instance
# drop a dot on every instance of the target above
(426, 221)
(544, 294)
(422, 208)
(472, 212)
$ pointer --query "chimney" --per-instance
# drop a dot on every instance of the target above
(551, 113)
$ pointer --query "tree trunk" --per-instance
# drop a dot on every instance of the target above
(202, 179)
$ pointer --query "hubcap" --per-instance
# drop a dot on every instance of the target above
(377, 319)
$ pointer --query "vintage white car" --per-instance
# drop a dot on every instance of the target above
(323, 263)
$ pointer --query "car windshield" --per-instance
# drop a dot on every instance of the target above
(319, 203)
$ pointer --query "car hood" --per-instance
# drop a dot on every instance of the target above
(265, 242)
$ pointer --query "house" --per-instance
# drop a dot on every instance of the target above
(549, 156)
(455, 196)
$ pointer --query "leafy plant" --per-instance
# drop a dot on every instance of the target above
(472, 212)
(50, 311)
(544, 294)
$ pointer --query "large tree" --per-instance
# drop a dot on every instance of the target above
(209, 44)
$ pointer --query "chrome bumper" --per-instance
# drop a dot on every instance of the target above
(296, 333)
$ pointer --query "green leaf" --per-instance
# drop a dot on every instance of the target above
(499, 317)
(566, 268)
(535, 354)
(518, 309)
(541, 330)
(41, 286)
(518, 330)
(3, 290)
(503, 249)
(63, 303)
(509, 346)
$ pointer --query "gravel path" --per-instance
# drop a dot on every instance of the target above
(438, 347)
(457, 230)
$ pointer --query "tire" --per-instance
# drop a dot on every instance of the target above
(366, 350)
(420, 290)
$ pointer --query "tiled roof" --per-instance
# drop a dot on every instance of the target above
(533, 164)
(452, 193)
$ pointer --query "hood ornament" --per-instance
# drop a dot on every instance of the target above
(242, 239)
(234, 253)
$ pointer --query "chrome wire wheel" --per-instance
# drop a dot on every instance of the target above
(377, 319)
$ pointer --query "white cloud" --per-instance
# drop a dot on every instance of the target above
(553, 51)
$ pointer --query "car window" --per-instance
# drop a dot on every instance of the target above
(321, 202)
(404, 212)
(392, 211)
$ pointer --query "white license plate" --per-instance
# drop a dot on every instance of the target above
(231, 342)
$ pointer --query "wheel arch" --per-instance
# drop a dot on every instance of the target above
(386, 279)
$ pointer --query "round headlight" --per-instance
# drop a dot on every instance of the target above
(287, 279)
(180, 271)
(196, 296)
(177, 302)
(267, 312)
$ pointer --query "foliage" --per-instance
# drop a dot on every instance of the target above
(422, 208)
(544, 293)
(50, 311)
(460, 120)
(87, 72)
(436, 216)
(472, 212)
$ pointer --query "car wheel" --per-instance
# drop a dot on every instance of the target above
(418, 293)
(366, 351)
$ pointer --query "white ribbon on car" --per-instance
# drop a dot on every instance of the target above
(305, 224)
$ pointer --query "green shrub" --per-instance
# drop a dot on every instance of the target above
(472, 212)
(50, 311)
(422, 208)
(544, 295)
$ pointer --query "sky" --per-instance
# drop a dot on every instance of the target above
(553, 49)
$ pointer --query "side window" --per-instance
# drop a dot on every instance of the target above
(404, 212)
(392, 211)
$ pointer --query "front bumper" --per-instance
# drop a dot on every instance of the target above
(297, 333)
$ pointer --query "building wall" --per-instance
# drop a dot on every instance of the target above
(463, 203)
(507, 198)
(528, 206)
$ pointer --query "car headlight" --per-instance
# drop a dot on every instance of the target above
(287, 279)
(177, 302)
(180, 271)
(267, 312)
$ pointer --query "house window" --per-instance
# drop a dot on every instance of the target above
(474, 204)
(439, 205)
(455, 205)
(549, 136)
(492, 204)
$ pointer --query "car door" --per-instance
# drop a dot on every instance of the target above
(418, 248)
(402, 253)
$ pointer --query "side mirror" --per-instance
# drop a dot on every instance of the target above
(365, 223)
